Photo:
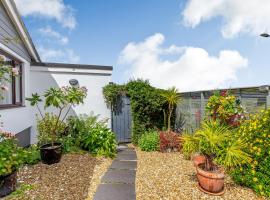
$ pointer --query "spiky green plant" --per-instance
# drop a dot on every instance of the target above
(218, 144)
(172, 98)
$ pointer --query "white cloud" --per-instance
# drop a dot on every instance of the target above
(58, 55)
(48, 32)
(193, 68)
(53, 9)
(240, 16)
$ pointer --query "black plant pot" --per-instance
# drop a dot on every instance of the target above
(51, 153)
(8, 184)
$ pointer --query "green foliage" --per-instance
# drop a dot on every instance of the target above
(20, 191)
(189, 145)
(59, 98)
(217, 143)
(256, 174)
(92, 135)
(226, 108)
(172, 98)
(10, 154)
(112, 92)
(149, 141)
(31, 155)
(46, 126)
(147, 104)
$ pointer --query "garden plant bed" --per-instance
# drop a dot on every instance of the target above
(70, 179)
(169, 176)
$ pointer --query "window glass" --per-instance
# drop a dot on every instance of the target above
(11, 89)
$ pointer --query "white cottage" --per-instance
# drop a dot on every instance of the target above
(17, 115)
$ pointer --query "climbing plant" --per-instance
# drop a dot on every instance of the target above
(147, 104)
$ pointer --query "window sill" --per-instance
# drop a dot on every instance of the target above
(4, 107)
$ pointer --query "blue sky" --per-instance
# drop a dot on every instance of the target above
(191, 44)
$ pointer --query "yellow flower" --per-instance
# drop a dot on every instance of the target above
(260, 187)
(255, 179)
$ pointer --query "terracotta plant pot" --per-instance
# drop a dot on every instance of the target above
(8, 184)
(198, 159)
(211, 182)
(51, 154)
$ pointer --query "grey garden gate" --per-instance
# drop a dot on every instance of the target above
(121, 120)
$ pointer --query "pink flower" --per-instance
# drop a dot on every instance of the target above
(4, 87)
(15, 71)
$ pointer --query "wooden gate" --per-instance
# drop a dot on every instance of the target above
(121, 120)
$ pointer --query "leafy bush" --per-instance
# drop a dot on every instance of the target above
(147, 105)
(216, 142)
(31, 155)
(169, 141)
(226, 108)
(256, 174)
(46, 126)
(60, 99)
(149, 141)
(10, 154)
(92, 135)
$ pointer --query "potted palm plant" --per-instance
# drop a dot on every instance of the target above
(10, 160)
(169, 140)
(62, 100)
(221, 149)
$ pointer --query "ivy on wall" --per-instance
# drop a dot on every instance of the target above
(147, 105)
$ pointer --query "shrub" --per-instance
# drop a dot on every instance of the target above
(256, 174)
(31, 155)
(216, 142)
(169, 141)
(149, 141)
(147, 105)
(60, 99)
(45, 128)
(10, 154)
(226, 108)
(92, 135)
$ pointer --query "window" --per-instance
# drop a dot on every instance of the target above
(12, 95)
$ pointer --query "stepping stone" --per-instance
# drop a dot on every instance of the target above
(126, 152)
(126, 156)
(119, 176)
(115, 192)
(128, 165)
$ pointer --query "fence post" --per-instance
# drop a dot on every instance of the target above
(268, 100)
(202, 105)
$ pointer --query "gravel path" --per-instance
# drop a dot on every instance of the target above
(168, 176)
(68, 180)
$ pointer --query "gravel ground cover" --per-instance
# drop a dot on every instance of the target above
(168, 176)
(68, 180)
(100, 169)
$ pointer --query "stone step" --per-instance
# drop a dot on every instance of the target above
(115, 192)
(127, 157)
(126, 165)
(119, 176)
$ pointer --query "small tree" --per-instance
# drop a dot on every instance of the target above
(61, 99)
(172, 98)
(218, 145)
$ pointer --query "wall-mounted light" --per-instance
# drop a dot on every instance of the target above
(73, 82)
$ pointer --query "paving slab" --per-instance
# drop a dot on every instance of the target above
(128, 165)
(126, 156)
(120, 152)
(119, 176)
(115, 192)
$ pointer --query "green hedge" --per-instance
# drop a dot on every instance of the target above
(147, 105)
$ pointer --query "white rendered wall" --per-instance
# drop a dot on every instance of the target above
(43, 78)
